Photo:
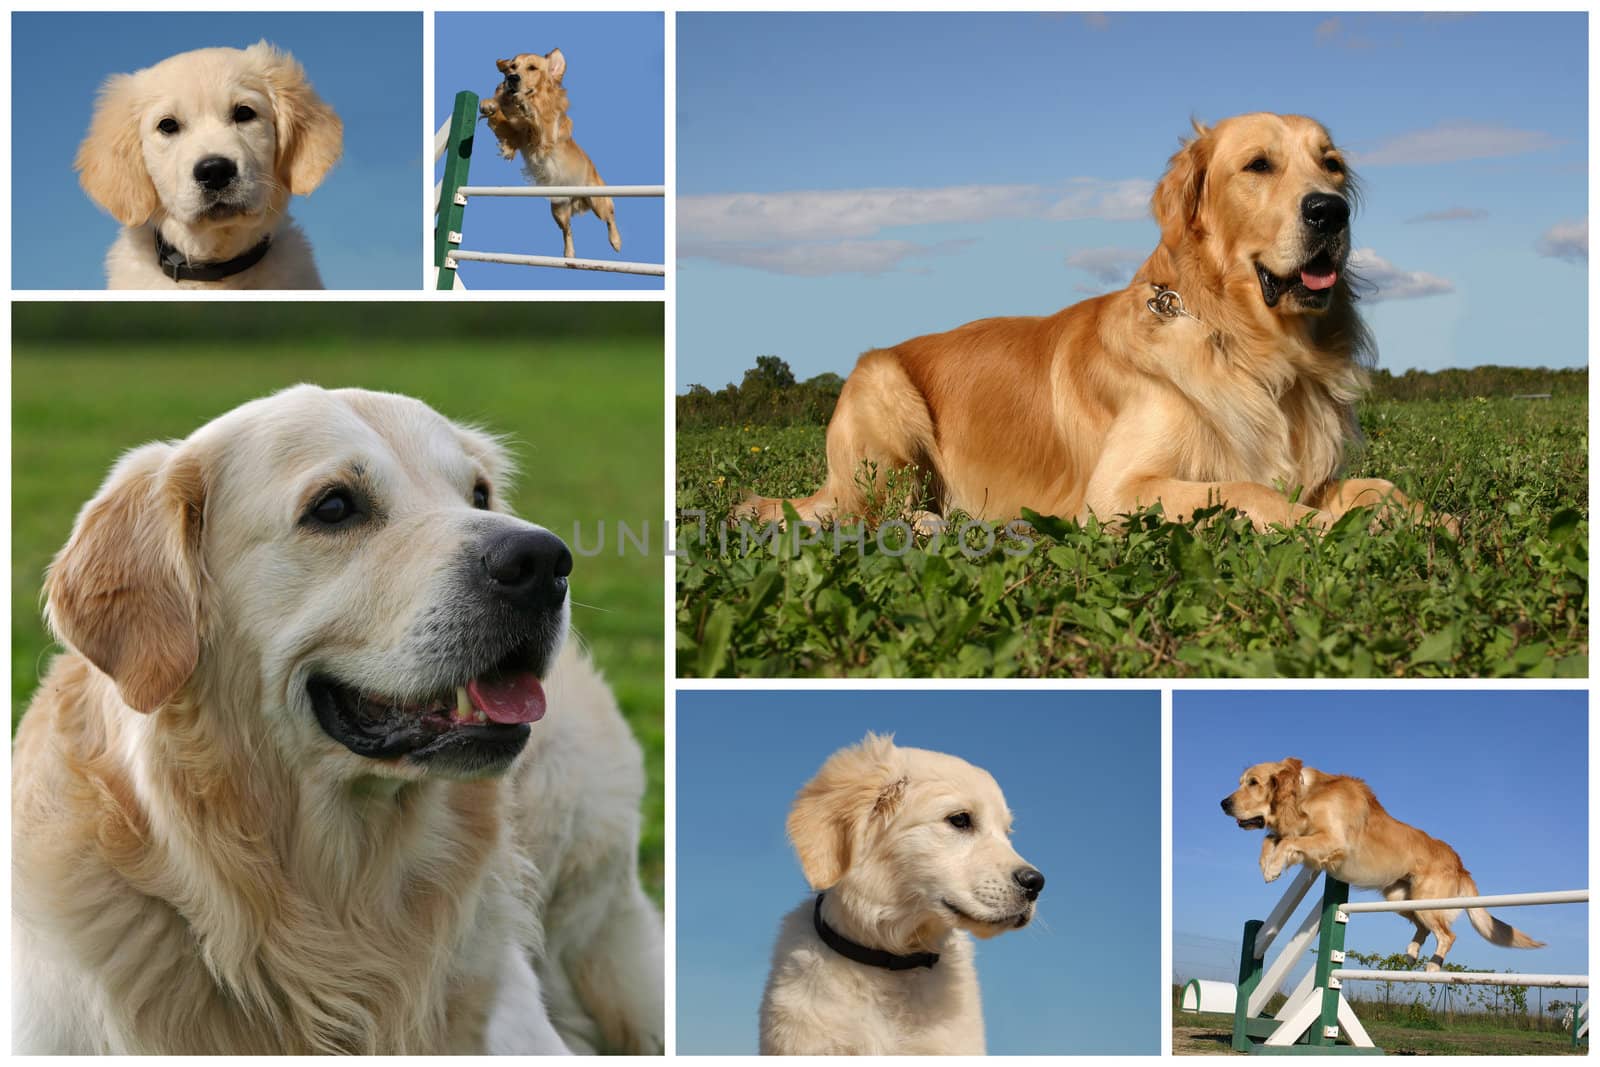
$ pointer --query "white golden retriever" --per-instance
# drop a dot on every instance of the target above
(911, 850)
(197, 157)
(292, 788)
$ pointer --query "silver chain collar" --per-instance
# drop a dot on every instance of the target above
(1167, 303)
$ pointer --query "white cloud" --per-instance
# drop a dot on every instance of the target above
(1451, 214)
(814, 259)
(1453, 142)
(1381, 280)
(836, 214)
(1108, 266)
(1566, 240)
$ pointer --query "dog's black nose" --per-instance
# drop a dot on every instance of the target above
(1029, 879)
(1325, 212)
(528, 567)
(513, 79)
(215, 172)
(1227, 805)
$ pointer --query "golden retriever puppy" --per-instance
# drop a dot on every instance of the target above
(319, 770)
(1334, 823)
(197, 157)
(1225, 373)
(910, 851)
(528, 114)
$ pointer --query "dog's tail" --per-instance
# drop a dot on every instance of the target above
(1489, 928)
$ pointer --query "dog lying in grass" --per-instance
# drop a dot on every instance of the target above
(528, 114)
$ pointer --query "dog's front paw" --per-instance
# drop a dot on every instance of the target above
(1271, 870)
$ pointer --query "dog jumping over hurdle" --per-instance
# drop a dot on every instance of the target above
(528, 113)
(1334, 823)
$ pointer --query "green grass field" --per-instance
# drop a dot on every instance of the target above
(1509, 598)
(584, 418)
(1209, 1035)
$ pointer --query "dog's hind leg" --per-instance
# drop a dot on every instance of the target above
(607, 213)
(1400, 891)
(561, 211)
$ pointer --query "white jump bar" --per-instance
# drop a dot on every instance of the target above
(613, 267)
(561, 190)
(1507, 900)
(1557, 981)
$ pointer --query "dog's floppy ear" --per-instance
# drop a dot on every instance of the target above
(557, 65)
(125, 591)
(310, 135)
(503, 66)
(1176, 200)
(110, 161)
(1285, 785)
(829, 819)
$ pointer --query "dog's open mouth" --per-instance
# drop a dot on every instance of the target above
(1311, 287)
(1255, 822)
(478, 724)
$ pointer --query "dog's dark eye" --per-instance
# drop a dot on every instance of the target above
(960, 820)
(1260, 165)
(337, 507)
(168, 126)
(1251, 782)
(1333, 166)
(243, 113)
(480, 497)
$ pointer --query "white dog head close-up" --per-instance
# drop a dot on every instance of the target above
(207, 147)
(337, 568)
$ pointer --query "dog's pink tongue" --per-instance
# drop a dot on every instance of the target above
(511, 699)
(1315, 280)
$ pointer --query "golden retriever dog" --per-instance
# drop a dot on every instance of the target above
(197, 157)
(528, 114)
(1334, 823)
(1225, 373)
(319, 770)
(910, 852)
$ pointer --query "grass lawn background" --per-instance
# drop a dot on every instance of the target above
(576, 388)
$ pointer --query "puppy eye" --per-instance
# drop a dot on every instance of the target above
(335, 508)
(480, 497)
(168, 126)
(960, 820)
(1259, 165)
(243, 113)
(1333, 166)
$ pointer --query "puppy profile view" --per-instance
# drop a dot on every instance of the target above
(1334, 823)
(910, 852)
(319, 769)
(197, 157)
(528, 114)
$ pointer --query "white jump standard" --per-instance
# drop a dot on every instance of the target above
(1316, 1018)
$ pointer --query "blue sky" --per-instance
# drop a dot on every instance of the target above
(1020, 150)
(362, 221)
(1502, 777)
(616, 78)
(1081, 772)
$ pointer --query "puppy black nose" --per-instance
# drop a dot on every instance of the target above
(215, 172)
(1030, 880)
(1325, 212)
(528, 568)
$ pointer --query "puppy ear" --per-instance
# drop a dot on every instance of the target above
(830, 815)
(557, 65)
(310, 135)
(1176, 200)
(110, 161)
(125, 591)
(1285, 785)
(503, 66)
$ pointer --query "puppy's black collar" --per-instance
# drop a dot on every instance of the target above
(180, 268)
(872, 957)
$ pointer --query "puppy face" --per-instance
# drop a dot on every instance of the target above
(1268, 198)
(1262, 788)
(208, 137)
(926, 835)
(333, 569)
(527, 73)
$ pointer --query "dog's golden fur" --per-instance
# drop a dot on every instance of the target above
(1334, 823)
(1106, 406)
(198, 867)
(528, 114)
